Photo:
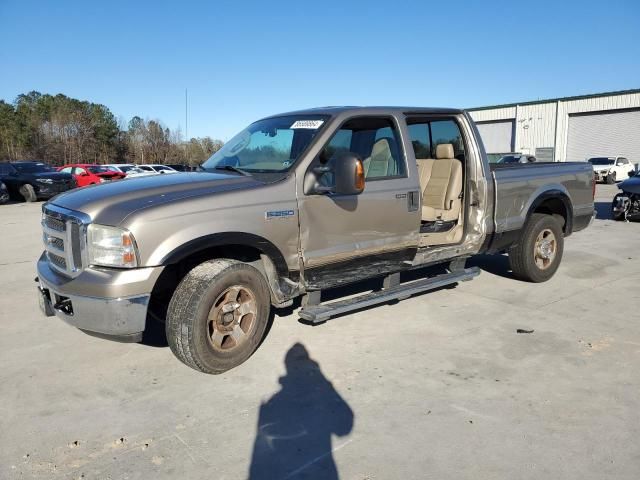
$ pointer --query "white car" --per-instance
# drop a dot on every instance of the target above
(156, 168)
(611, 169)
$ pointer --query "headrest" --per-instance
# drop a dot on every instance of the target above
(381, 146)
(444, 150)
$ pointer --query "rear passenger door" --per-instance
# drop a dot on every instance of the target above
(366, 234)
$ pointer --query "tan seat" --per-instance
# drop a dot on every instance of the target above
(441, 183)
(380, 163)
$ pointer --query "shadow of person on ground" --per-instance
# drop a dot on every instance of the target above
(293, 438)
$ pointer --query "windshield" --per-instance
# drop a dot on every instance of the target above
(601, 161)
(269, 145)
(35, 167)
(97, 169)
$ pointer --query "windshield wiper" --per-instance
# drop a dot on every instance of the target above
(231, 168)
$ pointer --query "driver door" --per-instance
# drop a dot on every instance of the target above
(345, 238)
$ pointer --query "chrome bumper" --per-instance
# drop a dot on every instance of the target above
(121, 318)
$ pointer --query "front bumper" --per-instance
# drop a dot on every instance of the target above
(107, 303)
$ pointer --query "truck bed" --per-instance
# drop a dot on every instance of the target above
(517, 185)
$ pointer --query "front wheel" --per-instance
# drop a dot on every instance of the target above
(28, 193)
(611, 178)
(537, 255)
(218, 315)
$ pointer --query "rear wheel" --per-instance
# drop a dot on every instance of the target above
(28, 193)
(218, 315)
(537, 255)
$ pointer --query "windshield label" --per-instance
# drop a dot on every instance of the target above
(311, 124)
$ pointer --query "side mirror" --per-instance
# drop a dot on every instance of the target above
(84, 174)
(349, 174)
(345, 171)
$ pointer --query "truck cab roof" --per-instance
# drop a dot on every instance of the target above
(372, 110)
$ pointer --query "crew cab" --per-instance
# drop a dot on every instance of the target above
(293, 205)
(89, 174)
(33, 180)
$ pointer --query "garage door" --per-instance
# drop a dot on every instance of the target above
(604, 135)
(497, 136)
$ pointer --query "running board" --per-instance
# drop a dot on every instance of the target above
(323, 312)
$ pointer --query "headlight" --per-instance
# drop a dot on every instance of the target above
(44, 180)
(2, 186)
(111, 247)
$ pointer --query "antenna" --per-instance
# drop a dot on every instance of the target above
(186, 117)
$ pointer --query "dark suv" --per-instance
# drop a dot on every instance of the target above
(33, 180)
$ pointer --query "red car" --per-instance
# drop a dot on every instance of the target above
(88, 174)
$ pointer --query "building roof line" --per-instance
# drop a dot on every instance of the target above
(559, 99)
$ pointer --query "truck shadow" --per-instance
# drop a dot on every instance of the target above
(497, 264)
(603, 210)
(296, 425)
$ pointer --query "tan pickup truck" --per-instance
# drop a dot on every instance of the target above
(293, 205)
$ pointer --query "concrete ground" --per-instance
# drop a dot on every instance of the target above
(437, 386)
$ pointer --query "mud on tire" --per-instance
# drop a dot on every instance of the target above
(218, 315)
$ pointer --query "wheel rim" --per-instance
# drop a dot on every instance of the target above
(545, 249)
(232, 318)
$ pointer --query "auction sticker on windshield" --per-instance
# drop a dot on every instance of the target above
(312, 124)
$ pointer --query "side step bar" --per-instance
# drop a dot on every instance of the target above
(323, 312)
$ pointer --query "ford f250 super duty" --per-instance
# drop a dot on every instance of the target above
(293, 205)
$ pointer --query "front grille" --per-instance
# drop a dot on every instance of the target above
(54, 223)
(57, 260)
(64, 242)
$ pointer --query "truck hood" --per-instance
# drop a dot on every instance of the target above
(111, 203)
(601, 167)
(632, 185)
(58, 176)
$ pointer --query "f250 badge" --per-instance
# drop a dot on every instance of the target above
(278, 214)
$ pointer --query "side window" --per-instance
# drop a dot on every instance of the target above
(79, 171)
(375, 140)
(447, 131)
(420, 139)
(66, 170)
(426, 135)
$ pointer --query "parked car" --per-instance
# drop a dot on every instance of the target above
(156, 168)
(179, 167)
(517, 158)
(33, 180)
(338, 197)
(611, 169)
(626, 204)
(4, 193)
(88, 174)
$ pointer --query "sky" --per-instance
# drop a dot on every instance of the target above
(242, 60)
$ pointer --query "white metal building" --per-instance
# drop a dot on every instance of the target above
(564, 129)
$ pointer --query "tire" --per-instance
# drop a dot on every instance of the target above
(617, 216)
(524, 257)
(611, 178)
(198, 327)
(28, 193)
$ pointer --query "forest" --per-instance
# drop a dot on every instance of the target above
(59, 130)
